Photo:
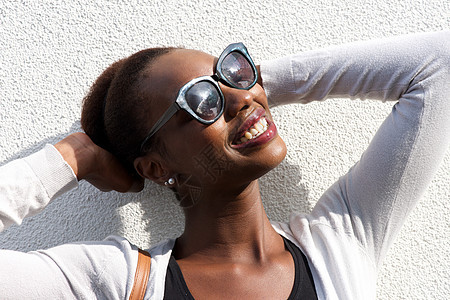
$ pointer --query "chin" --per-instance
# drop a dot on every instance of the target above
(274, 155)
(266, 160)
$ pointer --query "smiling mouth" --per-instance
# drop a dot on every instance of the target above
(254, 131)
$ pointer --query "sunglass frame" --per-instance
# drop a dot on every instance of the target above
(181, 103)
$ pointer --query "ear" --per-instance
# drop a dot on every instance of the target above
(152, 168)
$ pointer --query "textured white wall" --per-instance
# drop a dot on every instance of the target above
(51, 51)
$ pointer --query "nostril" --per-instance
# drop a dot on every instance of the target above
(244, 107)
(236, 100)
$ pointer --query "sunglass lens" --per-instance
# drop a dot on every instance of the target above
(204, 99)
(238, 70)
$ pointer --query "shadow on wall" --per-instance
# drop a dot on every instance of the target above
(283, 192)
(153, 215)
(162, 216)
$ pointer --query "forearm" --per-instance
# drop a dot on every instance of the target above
(89, 270)
(378, 69)
(28, 185)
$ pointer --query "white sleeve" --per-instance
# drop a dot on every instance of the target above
(89, 270)
(373, 199)
(27, 185)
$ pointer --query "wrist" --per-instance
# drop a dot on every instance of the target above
(68, 154)
(76, 152)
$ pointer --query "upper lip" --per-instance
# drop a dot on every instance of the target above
(254, 117)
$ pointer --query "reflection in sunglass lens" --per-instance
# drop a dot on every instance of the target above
(237, 69)
(204, 99)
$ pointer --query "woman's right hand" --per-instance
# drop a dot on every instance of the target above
(96, 165)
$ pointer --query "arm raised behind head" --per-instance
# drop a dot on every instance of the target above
(96, 165)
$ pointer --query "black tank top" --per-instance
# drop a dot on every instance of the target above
(176, 288)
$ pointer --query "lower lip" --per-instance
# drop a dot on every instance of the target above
(263, 138)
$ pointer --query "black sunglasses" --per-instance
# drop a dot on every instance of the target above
(202, 97)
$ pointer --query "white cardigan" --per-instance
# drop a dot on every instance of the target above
(348, 232)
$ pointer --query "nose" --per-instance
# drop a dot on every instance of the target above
(236, 100)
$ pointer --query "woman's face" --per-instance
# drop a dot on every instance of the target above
(211, 155)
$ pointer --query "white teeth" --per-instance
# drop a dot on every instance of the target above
(256, 130)
(258, 127)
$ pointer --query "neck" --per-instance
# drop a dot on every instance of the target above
(230, 225)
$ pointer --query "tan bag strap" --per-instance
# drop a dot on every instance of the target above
(141, 276)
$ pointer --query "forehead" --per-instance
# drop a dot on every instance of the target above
(180, 66)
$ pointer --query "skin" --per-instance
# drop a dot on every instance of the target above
(96, 165)
(229, 247)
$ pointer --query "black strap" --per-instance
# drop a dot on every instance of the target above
(175, 287)
(303, 283)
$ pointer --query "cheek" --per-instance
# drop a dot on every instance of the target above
(192, 144)
(205, 152)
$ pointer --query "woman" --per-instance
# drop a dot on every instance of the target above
(229, 249)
